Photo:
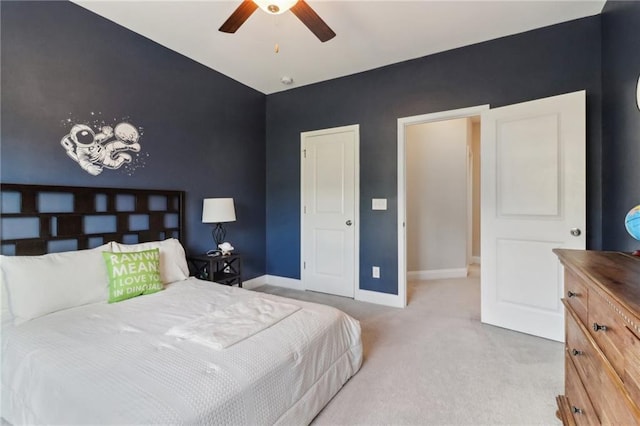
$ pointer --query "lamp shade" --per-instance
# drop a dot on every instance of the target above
(217, 210)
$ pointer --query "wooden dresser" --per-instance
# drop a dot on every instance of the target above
(602, 351)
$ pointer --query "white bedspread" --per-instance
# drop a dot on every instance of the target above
(232, 324)
(114, 364)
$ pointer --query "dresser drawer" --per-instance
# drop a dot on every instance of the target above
(612, 402)
(576, 294)
(608, 330)
(580, 407)
(616, 405)
(632, 366)
(581, 351)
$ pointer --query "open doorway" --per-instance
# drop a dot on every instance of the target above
(442, 198)
(532, 201)
(438, 156)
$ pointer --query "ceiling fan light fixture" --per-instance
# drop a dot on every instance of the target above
(299, 8)
(275, 7)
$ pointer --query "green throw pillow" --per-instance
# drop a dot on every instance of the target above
(133, 274)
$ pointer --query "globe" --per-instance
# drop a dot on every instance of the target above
(632, 222)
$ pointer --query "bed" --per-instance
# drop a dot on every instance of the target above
(194, 353)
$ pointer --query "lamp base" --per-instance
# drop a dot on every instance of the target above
(218, 233)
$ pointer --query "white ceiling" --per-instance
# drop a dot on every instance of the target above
(370, 34)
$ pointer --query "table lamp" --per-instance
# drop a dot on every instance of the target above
(218, 211)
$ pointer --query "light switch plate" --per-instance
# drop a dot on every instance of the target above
(378, 204)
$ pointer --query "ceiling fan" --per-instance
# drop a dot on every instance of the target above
(300, 8)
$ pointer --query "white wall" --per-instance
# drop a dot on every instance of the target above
(437, 195)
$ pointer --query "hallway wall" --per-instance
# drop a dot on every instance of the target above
(436, 190)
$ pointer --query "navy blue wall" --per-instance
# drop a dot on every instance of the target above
(545, 62)
(203, 132)
(620, 121)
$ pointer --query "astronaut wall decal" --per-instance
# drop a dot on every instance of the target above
(106, 148)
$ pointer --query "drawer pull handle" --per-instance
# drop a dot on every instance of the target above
(577, 410)
(576, 352)
(571, 294)
(598, 327)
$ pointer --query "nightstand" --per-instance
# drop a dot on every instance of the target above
(220, 269)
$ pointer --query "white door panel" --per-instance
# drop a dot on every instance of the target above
(533, 194)
(514, 264)
(329, 165)
(527, 167)
(329, 252)
(329, 228)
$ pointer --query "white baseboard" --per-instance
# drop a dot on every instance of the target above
(254, 282)
(437, 274)
(378, 298)
(292, 283)
(475, 259)
(274, 280)
(296, 284)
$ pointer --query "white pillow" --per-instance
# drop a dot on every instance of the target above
(39, 285)
(173, 260)
(5, 313)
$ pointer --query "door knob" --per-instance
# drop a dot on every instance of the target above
(349, 223)
(576, 232)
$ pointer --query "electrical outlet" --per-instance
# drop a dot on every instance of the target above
(375, 272)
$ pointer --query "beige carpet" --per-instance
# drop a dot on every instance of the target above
(434, 363)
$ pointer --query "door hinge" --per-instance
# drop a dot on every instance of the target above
(304, 153)
(304, 265)
(305, 209)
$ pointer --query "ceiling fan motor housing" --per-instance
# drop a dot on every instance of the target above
(300, 8)
(275, 7)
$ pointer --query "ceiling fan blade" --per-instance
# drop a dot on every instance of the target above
(310, 18)
(238, 17)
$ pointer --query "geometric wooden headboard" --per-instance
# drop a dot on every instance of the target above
(39, 219)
